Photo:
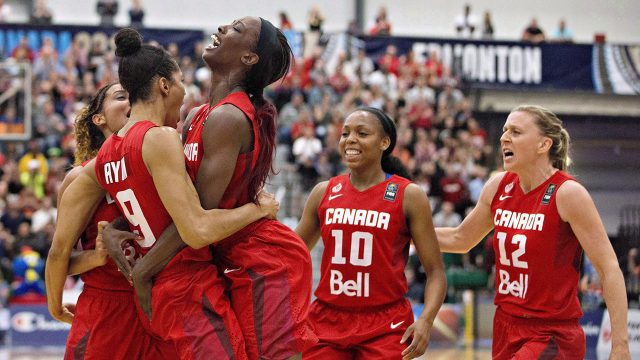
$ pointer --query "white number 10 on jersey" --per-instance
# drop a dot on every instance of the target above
(358, 239)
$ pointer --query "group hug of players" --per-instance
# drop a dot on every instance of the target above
(194, 264)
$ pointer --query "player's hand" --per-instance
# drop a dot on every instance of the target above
(143, 286)
(65, 313)
(113, 239)
(100, 252)
(268, 204)
(421, 331)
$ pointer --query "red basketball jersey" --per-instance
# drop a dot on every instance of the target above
(537, 255)
(237, 194)
(366, 241)
(103, 277)
(122, 172)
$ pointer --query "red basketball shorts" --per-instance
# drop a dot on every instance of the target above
(346, 334)
(190, 309)
(522, 339)
(106, 326)
(268, 269)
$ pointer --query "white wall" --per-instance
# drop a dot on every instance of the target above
(619, 19)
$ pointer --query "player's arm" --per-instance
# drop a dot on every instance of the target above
(74, 212)
(418, 214)
(168, 245)
(214, 173)
(576, 207)
(163, 156)
(222, 145)
(475, 226)
(309, 226)
(81, 260)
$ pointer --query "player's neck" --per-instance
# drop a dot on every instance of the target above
(533, 176)
(142, 112)
(221, 87)
(364, 179)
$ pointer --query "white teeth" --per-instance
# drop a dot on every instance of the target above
(215, 41)
(352, 152)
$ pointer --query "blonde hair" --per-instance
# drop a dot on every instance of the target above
(551, 126)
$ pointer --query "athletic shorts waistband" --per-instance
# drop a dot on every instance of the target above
(106, 293)
(521, 320)
(363, 309)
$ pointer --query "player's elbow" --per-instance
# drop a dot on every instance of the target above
(196, 240)
(57, 254)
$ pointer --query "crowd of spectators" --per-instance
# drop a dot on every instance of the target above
(439, 140)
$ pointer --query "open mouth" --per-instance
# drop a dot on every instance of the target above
(351, 153)
(215, 42)
(506, 153)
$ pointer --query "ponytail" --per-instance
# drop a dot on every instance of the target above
(266, 121)
(274, 54)
(393, 165)
(561, 159)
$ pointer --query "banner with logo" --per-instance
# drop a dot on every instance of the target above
(63, 35)
(604, 68)
(32, 325)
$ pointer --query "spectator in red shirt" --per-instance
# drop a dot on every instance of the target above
(453, 188)
(382, 26)
(23, 52)
(390, 59)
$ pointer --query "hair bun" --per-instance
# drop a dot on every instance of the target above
(128, 41)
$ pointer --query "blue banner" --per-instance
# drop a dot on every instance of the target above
(32, 325)
(517, 65)
(63, 35)
(591, 322)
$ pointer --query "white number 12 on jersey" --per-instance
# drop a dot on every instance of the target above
(519, 239)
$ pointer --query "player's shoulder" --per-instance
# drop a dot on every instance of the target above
(161, 139)
(160, 132)
(572, 190)
(320, 188)
(491, 187)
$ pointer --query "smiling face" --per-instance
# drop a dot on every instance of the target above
(521, 142)
(232, 42)
(363, 140)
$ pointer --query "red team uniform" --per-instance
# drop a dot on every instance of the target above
(537, 272)
(105, 314)
(268, 266)
(189, 308)
(361, 311)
